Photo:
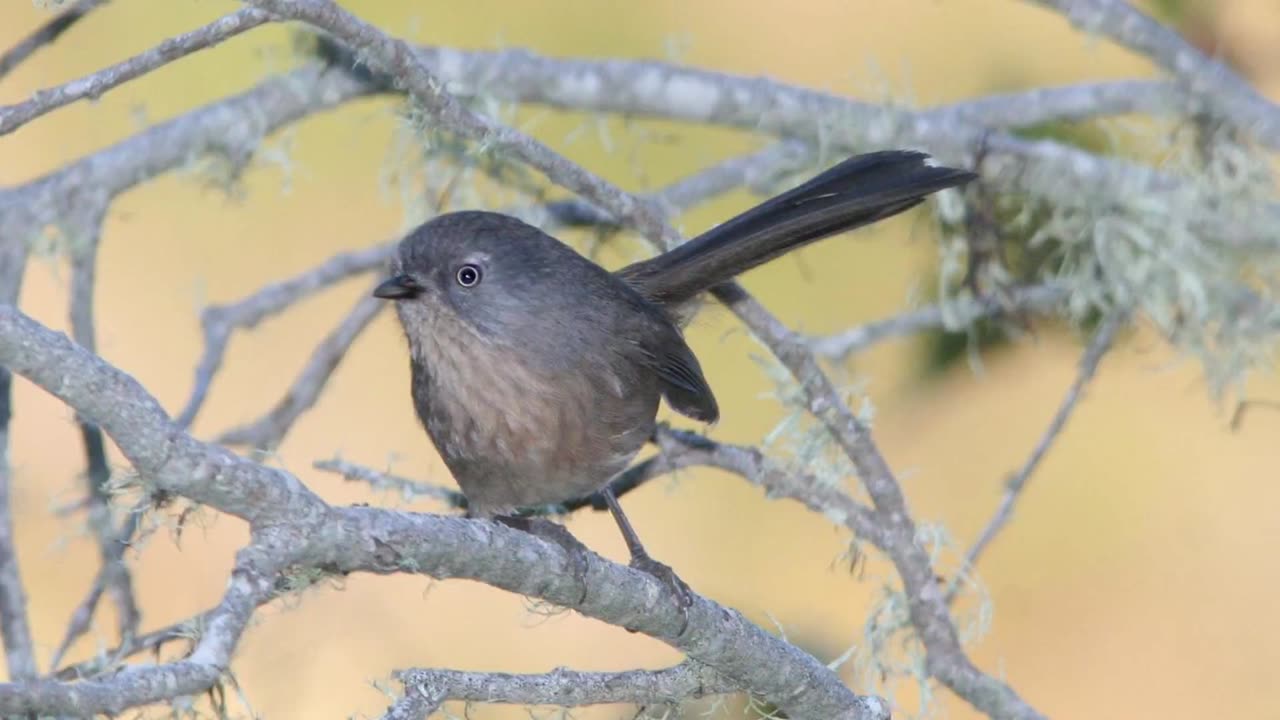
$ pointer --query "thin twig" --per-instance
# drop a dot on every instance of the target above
(92, 86)
(46, 34)
(1016, 484)
(135, 686)
(113, 575)
(268, 431)
(218, 321)
(1034, 298)
(1244, 406)
(380, 481)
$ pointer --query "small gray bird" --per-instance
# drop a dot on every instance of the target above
(538, 374)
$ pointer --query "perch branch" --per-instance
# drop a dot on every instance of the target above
(678, 449)
(426, 690)
(295, 528)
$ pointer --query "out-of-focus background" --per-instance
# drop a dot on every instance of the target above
(1136, 578)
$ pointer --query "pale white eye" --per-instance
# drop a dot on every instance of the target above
(469, 275)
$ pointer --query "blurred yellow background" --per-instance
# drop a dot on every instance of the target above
(1135, 580)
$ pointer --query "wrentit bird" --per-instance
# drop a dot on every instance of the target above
(537, 373)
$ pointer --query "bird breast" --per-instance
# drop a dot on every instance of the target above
(515, 434)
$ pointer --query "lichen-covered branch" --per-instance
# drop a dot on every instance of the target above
(677, 450)
(233, 128)
(946, 659)
(842, 344)
(398, 58)
(953, 132)
(425, 690)
(141, 685)
(295, 528)
(13, 117)
(1229, 94)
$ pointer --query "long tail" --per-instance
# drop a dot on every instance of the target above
(856, 192)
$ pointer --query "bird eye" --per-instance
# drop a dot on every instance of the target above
(469, 275)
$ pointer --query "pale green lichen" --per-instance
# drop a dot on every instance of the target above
(1197, 263)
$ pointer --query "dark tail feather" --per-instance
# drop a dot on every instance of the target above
(335, 54)
(856, 192)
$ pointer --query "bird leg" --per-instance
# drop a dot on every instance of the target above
(640, 559)
(558, 534)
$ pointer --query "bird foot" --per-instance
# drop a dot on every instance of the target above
(560, 535)
(665, 575)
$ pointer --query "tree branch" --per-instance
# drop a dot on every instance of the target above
(113, 576)
(13, 117)
(1230, 94)
(1102, 340)
(426, 690)
(1062, 174)
(134, 686)
(218, 321)
(678, 449)
(15, 626)
(295, 528)
(929, 614)
(945, 658)
(401, 61)
(46, 34)
(268, 431)
(380, 481)
(1033, 298)
(233, 127)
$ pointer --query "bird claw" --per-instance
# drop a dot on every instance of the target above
(665, 575)
(560, 535)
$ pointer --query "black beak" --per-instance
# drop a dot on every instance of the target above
(399, 287)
